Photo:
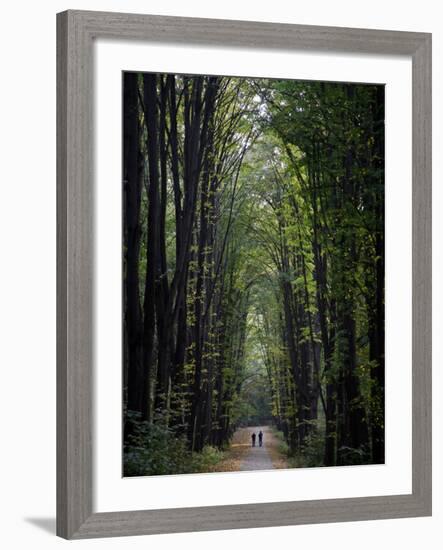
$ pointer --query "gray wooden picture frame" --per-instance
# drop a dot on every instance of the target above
(76, 31)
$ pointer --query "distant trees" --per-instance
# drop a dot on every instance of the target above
(253, 233)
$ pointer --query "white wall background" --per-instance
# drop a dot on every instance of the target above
(27, 273)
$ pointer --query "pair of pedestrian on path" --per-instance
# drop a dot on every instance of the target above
(260, 438)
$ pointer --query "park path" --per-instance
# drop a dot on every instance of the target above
(241, 456)
(258, 458)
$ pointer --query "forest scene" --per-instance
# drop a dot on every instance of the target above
(253, 274)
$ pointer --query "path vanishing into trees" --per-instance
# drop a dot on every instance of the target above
(258, 458)
(241, 456)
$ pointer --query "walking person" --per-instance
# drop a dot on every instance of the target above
(253, 436)
(260, 438)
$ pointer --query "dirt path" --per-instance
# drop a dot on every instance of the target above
(241, 456)
(258, 458)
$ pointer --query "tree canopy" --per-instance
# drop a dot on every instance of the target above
(253, 267)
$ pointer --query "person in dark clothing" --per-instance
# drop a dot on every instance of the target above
(260, 438)
(253, 439)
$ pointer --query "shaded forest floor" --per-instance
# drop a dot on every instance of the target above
(240, 456)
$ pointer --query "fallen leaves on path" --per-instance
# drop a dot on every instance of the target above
(273, 444)
(240, 445)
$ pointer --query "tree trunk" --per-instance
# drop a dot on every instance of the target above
(132, 174)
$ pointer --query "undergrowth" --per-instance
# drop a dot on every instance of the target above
(155, 449)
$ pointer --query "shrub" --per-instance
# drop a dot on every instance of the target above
(207, 459)
(156, 449)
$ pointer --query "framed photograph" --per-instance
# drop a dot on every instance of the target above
(243, 274)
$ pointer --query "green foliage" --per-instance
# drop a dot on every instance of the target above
(279, 289)
(350, 456)
(282, 447)
(155, 449)
(207, 459)
(311, 453)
